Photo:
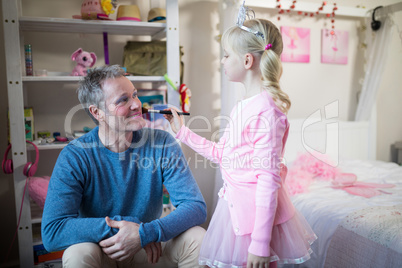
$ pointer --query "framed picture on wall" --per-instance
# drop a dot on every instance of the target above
(296, 44)
(334, 47)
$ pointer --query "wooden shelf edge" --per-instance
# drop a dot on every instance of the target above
(64, 25)
(75, 79)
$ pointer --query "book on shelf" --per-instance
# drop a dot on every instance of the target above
(42, 255)
(28, 123)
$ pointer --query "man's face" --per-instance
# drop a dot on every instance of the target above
(123, 108)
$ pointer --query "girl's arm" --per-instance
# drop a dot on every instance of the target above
(208, 149)
(269, 131)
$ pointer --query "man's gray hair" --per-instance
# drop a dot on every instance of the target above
(90, 90)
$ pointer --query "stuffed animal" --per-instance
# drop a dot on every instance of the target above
(84, 60)
(37, 187)
(96, 9)
(185, 95)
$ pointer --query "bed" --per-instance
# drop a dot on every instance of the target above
(352, 230)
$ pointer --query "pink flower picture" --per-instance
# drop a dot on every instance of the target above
(334, 47)
(296, 44)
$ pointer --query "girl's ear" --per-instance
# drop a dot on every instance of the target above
(248, 61)
(96, 112)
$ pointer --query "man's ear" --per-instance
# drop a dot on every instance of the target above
(96, 113)
(248, 61)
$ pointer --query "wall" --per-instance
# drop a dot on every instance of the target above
(316, 83)
(201, 74)
(311, 86)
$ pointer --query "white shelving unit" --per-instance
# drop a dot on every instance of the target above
(15, 25)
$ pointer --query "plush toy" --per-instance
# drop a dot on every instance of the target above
(84, 60)
(96, 9)
(37, 187)
(185, 95)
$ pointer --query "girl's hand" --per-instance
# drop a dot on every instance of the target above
(176, 121)
(254, 261)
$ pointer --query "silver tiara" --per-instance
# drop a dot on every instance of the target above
(246, 13)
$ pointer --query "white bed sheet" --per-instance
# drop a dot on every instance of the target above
(325, 207)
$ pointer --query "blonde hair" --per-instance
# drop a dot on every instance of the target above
(242, 42)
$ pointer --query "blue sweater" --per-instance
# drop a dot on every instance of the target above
(90, 182)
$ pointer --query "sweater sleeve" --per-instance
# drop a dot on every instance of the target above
(185, 195)
(208, 149)
(266, 132)
(61, 224)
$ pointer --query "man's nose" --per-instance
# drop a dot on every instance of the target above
(135, 103)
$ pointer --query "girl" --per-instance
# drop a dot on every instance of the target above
(255, 224)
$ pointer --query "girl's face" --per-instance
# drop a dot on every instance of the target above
(233, 65)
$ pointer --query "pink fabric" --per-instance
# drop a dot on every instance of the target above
(222, 248)
(344, 179)
(37, 187)
(349, 183)
(362, 191)
(249, 154)
(307, 168)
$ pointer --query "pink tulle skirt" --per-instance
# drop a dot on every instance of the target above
(290, 241)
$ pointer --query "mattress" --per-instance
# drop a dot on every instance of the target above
(325, 207)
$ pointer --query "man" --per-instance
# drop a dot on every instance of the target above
(104, 199)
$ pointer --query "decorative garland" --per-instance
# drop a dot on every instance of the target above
(311, 14)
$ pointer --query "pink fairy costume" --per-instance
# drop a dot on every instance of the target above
(254, 213)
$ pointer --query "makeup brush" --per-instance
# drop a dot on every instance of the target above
(145, 110)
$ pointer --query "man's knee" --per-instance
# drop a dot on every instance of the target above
(82, 255)
(188, 246)
(194, 235)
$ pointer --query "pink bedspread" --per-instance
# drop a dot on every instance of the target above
(371, 237)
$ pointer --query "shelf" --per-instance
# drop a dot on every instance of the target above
(52, 146)
(36, 220)
(15, 27)
(37, 243)
(61, 25)
(75, 79)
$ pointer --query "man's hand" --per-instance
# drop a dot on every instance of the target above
(126, 243)
(254, 261)
(154, 251)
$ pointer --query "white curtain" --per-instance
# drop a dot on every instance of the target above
(376, 55)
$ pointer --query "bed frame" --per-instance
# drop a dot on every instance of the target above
(331, 138)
